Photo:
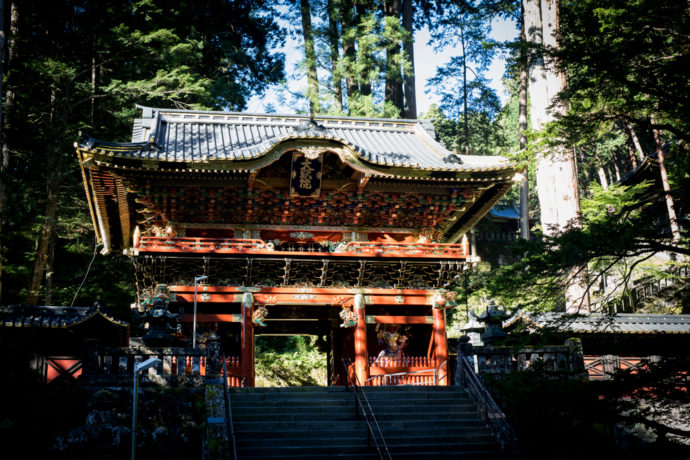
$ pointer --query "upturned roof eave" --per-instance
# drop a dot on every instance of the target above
(128, 156)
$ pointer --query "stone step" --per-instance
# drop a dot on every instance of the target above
(270, 451)
(306, 410)
(476, 455)
(389, 418)
(324, 422)
(295, 417)
(467, 431)
(450, 424)
(349, 410)
(345, 399)
(309, 438)
(281, 443)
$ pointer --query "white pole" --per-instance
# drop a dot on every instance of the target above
(135, 399)
(196, 281)
(194, 323)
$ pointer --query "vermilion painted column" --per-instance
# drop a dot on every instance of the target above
(441, 343)
(247, 358)
(361, 357)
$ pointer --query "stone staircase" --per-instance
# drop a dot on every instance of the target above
(324, 422)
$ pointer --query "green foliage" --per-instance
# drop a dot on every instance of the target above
(289, 361)
(486, 136)
(619, 230)
(625, 60)
(366, 106)
(84, 65)
(369, 52)
(460, 83)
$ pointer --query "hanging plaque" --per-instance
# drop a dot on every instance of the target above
(305, 179)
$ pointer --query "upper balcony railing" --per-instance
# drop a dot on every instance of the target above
(153, 244)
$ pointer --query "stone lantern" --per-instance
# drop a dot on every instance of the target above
(472, 329)
(493, 319)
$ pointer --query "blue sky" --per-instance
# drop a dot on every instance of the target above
(426, 62)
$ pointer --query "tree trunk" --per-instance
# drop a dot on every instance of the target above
(522, 126)
(363, 78)
(631, 154)
(586, 179)
(6, 117)
(410, 110)
(349, 52)
(670, 206)
(393, 71)
(47, 237)
(334, 38)
(616, 170)
(636, 141)
(600, 172)
(50, 267)
(557, 186)
(3, 167)
(310, 59)
(53, 184)
(466, 122)
(94, 77)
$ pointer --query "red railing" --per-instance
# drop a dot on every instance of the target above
(408, 361)
(242, 246)
(409, 370)
(605, 366)
(413, 370)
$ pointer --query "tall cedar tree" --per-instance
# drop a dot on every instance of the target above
(464, 90)
(355, 58)
(82, 65)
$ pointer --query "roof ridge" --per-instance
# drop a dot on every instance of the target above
(280, 115)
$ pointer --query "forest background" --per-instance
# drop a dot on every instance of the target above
(82, 65)
(622, 98)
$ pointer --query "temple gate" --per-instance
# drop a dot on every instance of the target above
(345, 228)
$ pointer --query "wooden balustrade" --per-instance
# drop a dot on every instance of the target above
(241, 246)
(408, 370)
(418, 379)
(407, 361)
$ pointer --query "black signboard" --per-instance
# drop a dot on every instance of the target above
(305, 179)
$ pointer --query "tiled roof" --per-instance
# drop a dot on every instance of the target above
(625, 323)
(51, 316)
(505, 212)
(167, 135)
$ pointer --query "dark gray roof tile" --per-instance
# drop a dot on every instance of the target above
(194, 136)
(629, 323)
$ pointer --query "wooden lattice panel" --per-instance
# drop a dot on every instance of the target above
(273, 206)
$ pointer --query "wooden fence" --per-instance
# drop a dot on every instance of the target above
(111, 365)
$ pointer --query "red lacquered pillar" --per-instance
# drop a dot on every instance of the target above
(441, 344)
(361, 357)
(247, 358)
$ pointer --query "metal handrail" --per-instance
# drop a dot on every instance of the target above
(370, 413)
(490, 411)
(438, 370)
(228, 411)
(387, 377)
